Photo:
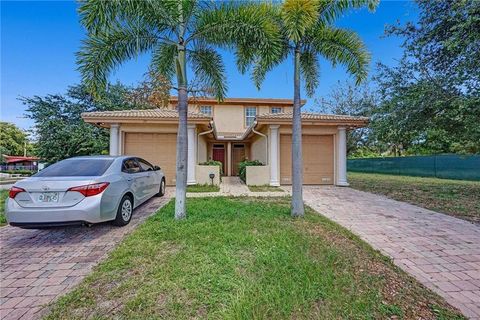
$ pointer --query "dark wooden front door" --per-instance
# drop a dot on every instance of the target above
(219, 155)
(238, 155)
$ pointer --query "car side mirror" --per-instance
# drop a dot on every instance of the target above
(156, 168)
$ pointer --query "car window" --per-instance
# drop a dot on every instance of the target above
(131, 166)
(146, 166)
(76, 168)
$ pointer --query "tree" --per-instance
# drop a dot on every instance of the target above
(430, 101)
(60, 131)
(13, 141)
(307, 33)
(175, 32)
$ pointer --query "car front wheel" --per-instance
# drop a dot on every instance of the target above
(161, 190)
(124, 212)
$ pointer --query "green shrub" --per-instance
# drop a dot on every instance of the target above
(213, 163)
(242, 168)
(22, 172)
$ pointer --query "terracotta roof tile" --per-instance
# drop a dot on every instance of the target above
(146, 113)
(311, 116)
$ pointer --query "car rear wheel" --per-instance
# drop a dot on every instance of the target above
(124, 212)
(161, 191)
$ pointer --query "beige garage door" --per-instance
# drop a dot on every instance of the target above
(317, 159)
(157, 148)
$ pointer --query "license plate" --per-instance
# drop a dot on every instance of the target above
(48, 197)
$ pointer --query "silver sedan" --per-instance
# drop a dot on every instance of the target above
(84, 190)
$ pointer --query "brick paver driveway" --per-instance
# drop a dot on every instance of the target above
(440, 251)
(37, 266)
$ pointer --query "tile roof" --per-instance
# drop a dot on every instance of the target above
(146, 113)
(311, 116)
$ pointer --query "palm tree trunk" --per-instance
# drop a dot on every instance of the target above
(297, 159)
(181, 171)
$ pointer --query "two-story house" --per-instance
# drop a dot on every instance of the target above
(231, 131)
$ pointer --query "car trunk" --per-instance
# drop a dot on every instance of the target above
(50, 192)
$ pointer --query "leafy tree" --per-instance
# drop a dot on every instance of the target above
(307, 33)
(176, 33)
(59, 129)
(431, 99)
(13, 141)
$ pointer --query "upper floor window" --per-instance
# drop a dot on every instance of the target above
(275, 109)
(206, 110)
(250, 114)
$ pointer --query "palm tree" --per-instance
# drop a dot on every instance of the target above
(175, 33)
(307, 33)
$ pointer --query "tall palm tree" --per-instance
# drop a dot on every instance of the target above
(307, 33)
(175, 32)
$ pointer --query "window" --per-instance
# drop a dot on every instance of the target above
(145, 165)
(275, 110)
(250, 114)
(206, 110)
(77, 168)
(131, 166)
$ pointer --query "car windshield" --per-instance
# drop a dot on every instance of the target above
(76, 168)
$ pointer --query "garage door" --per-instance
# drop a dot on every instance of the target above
(317, 159)
(157, 148)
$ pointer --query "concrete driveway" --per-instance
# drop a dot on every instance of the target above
(440, 251)
(37, 266)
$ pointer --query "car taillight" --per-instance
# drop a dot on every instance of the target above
(90, 189)
(14, 191)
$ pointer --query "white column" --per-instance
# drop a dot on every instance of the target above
(274, 155)
(342, 157)
(114, 143)
(191, 155)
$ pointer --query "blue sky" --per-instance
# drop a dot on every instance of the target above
(39, 40)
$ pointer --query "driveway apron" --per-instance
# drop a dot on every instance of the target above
(37, 266)
(440, 251)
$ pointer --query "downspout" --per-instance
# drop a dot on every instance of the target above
(262, 135)
(203, 133)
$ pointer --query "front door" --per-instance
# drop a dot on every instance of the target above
(238, 155)
(219, 154)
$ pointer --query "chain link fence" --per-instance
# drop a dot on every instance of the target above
(440, 166)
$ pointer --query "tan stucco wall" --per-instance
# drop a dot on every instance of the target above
(258, 175)
(202, 174)
(229, 118)
(202, 149)
(258, 149)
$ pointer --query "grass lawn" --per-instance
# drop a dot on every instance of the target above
(454, 197)
(203, 188)
(244, 258)
(3, 197)
(265, 188)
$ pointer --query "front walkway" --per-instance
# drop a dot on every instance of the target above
(440, 251)
(234, 187)
(37, 266)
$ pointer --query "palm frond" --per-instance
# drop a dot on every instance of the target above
(248, 28)
(102, 52)
(330, 10)
(163, 60)
(100, 15)
(310, 67)
(299, 16)
(344, 47)
(209, 69)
